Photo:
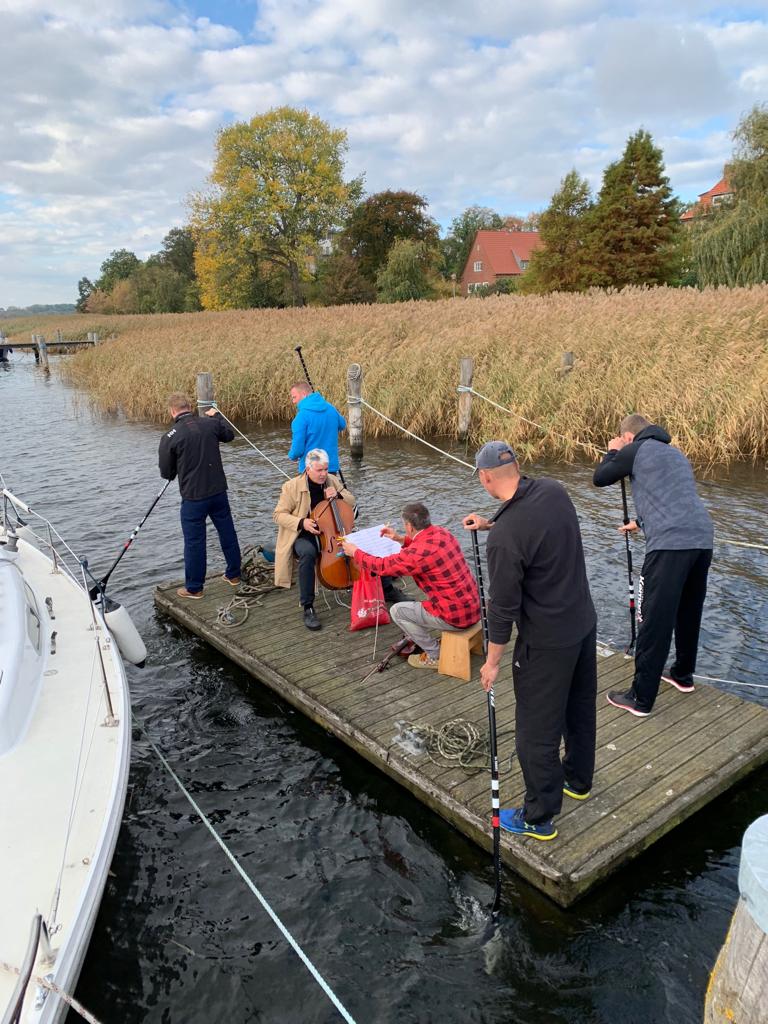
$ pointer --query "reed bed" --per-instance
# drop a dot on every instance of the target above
(696, 361)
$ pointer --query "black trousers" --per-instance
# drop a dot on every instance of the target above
(672, 589)
(555, 694)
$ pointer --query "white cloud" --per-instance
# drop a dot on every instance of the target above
(110, 111)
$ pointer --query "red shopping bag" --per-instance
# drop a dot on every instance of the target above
(368, 607)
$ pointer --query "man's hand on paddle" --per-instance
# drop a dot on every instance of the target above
(475, 522)
(628, 527)
(488, 674)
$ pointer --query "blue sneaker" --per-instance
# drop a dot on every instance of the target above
(513, 821)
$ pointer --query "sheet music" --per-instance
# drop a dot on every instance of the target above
(371, 541)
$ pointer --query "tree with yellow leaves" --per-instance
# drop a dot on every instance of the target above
(277, 191)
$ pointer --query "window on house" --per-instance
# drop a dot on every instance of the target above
(524, 264)
(478, 266)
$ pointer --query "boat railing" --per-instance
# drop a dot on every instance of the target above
(78, 573)
(38, 937)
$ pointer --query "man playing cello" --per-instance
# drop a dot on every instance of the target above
(298, 532)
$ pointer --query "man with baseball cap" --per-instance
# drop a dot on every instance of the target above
(538, 582)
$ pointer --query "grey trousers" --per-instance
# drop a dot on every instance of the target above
(419, 625)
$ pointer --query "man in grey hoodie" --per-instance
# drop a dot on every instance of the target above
(679, 536)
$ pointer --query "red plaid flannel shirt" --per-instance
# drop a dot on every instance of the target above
(437, 564)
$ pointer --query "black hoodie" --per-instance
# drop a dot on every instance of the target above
(191, 450)
(536, 566)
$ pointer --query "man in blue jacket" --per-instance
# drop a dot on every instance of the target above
(316, 425)
(679, 536)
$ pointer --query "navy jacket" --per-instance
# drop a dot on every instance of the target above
(669, 509)
(190, 450)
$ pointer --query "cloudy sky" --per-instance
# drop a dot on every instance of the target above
(110, 109)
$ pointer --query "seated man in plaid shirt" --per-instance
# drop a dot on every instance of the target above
(433, 557)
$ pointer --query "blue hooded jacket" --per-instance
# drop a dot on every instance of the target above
(316, 425)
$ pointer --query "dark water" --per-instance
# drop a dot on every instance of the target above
(385, 898)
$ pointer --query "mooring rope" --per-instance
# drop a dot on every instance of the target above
(248, 881)
(592, 448)
(354, 400)
(257, 580)
(53, 987)
(213, 405)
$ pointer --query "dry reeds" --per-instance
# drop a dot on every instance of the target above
(696, 361)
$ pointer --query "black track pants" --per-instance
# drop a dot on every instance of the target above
(673, 585)
(555, 692)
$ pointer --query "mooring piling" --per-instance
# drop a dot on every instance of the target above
(204, 387)
(466, 370)
(738, 987)
(42, 351)
(355, 410)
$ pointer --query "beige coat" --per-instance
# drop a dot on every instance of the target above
(292, 507)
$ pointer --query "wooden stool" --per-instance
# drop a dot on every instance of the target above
(455, 649)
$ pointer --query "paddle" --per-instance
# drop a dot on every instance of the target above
(100, 587)
(492, 740)
(632, 610)
(297, 350)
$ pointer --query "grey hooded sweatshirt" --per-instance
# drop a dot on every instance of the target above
(669, 510)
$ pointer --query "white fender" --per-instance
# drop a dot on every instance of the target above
(120, 625)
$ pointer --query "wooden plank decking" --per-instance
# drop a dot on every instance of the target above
(652, 773)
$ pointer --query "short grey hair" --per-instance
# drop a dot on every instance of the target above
(317, 455)
(417, 515)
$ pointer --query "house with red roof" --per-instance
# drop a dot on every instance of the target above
(495, 255)
(719, 193)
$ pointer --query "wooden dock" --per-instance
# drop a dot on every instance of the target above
(652, 773)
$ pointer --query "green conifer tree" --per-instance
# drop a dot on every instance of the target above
(634, 225)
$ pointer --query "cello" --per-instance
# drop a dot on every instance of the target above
(335, 570)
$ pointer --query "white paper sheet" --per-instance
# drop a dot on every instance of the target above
(371, 541)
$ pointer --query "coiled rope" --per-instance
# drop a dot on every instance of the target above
(455, 743)
(258, 580)
(51, 986)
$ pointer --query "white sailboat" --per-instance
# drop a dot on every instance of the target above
(64, 759)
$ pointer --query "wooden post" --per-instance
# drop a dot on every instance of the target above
(58, 336)
(96, 338)
(42, 349)
(34, 343)
(355, 410)
(466, 369)
(566, 363)
(738, 987)
(204, 392)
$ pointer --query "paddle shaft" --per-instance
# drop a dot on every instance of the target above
(492, 738)
(630, 573)
(103, 581)
(297, 350)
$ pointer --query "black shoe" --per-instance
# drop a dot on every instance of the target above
(311, 621)
(684, 685)
(627, 702)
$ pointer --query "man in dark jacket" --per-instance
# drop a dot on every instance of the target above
(190, 450)
(678, 551)
(538, 582)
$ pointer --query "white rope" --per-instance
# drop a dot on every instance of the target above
(353, 399)
(53, 987)
(250, 442)
(592, 448)
(742, 544)
(251, 885)
(703, 679)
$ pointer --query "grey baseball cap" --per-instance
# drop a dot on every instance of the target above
(494, 454)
